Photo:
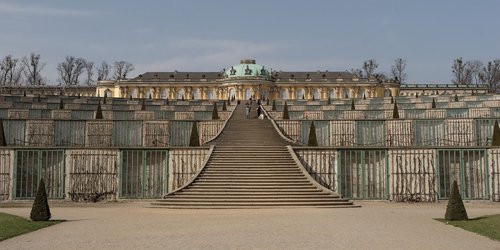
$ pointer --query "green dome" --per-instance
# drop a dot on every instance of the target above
(247, 68)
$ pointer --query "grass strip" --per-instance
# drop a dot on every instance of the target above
(488, 226)
(11, 225)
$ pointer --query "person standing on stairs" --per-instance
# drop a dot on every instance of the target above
(247, 111)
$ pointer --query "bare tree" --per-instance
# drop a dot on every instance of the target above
(462, 72)
(473, 70)
(357, 72)
(122, 68)
(32, 68)
(490, 74)
(89, 68)
(10, 71)
(103, 71)
(70, 70)
(398, 70)
(369, 67)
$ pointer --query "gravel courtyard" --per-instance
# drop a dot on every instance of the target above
(376, 225)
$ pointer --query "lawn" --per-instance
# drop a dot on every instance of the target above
(11, 225)
(488, 226)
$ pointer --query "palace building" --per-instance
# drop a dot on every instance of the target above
(248, 79)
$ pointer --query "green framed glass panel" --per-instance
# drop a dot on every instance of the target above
(144, 174)
(32, 165)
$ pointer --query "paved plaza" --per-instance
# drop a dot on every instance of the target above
(376, 225)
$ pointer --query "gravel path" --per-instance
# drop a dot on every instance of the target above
(377, 225)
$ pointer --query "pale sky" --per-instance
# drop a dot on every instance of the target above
(188, 35)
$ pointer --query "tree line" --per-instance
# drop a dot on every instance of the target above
(464, 72)
(476, 72)
(70, 72)
(367, 70)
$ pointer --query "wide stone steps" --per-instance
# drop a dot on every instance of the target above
(247, 194)
(218, 175)
(294, 199)
(326, 203)
(249, 187)
(250, 167)
(296, 190)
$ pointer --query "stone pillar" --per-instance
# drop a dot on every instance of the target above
(239, 94)
(172, 93)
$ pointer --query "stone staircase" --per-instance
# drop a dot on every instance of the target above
(251, 167)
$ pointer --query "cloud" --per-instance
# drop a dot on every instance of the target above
(15, 8)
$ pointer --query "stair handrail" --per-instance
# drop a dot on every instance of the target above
(204, 165)
(277, 128)
(223, 126)
(306, 173)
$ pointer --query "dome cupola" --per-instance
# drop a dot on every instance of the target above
(247, 69)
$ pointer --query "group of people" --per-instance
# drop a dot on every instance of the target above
(248, 109)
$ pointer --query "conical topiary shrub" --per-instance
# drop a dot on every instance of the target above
(182, 98)
(329, 101)
(286, 116)
(456, 98)
(312, 141)
(150, 96)
(314, 98)
(98, 113)
(143, 106)
(78, 96)
(395, 112)
(228, 101)
(24, 93)
(455, 210)
(224, 107)
(3, 143)
(215, 114)
(40, 210)
(194, 140)
(433, 103)
(352, 105)
(166, 103)
(416, 95)
(61, 104)
(496, 135)
(392, 99)
(274, 106)
(364, 97)
(303, 97)
(104, 99)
